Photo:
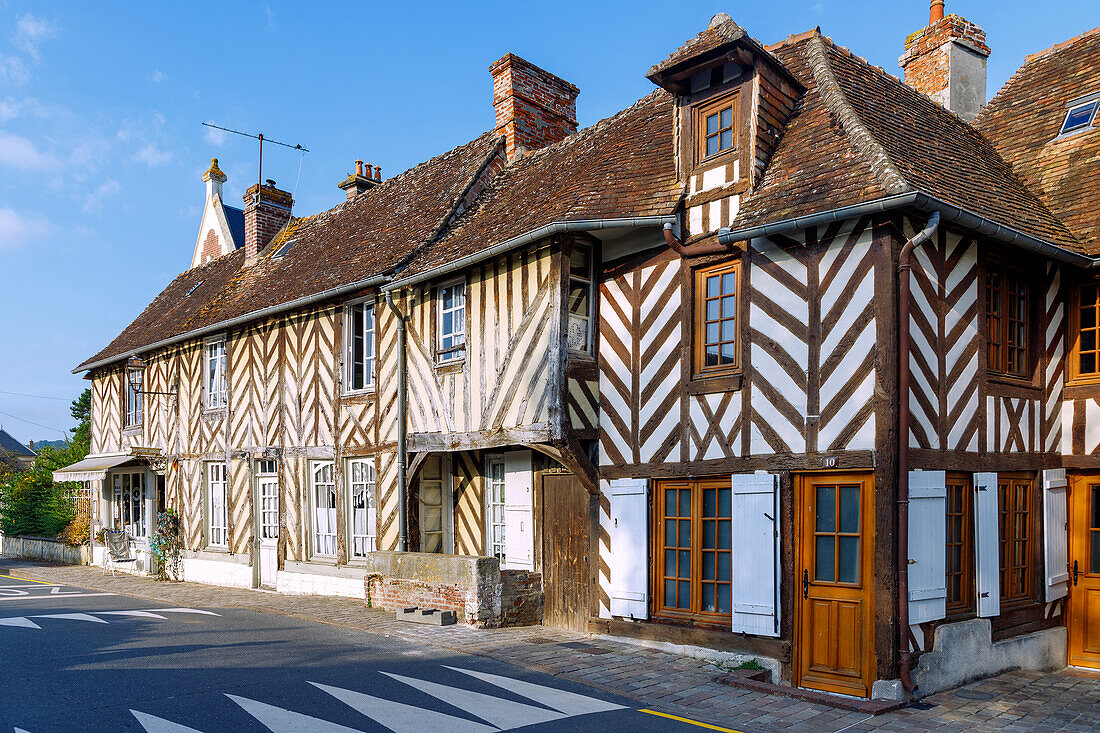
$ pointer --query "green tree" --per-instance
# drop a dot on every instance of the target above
(81, 410)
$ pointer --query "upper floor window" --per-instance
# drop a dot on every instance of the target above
(359, 347)
(133, 396)
(1079, 116)
(716, 126)
(1084, 361)
(579, 337)
(716, 328)
(217, 394)
(1007, 319)
(452, 321)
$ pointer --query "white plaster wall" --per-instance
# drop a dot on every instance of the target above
(319, 585)
(216, 572)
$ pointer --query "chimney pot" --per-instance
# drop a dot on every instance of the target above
(270, 182)
(358, 167)
(378, 173)
(935, 12)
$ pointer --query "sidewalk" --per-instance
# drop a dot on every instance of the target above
(1020, 701)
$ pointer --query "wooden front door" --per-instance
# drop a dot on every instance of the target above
(1083, 617)
(564, 505)
(835, 581)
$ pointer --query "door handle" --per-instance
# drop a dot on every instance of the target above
(1076, 571)
(805, 583)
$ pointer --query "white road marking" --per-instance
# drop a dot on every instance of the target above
(27, 597)
(566, 702)
(19, 621)
(499, 712)
(184, 610)
(279, 720)
(153, 724)
(71, 617)
(139, 614)
(402, 718)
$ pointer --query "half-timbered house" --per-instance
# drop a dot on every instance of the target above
(788, 359)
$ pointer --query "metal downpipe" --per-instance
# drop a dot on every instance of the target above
(402, 403)
(904, 267)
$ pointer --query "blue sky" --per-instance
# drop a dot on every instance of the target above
(102, 147)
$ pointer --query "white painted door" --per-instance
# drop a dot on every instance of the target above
(519, 530)
(436, 506)
(269, 529)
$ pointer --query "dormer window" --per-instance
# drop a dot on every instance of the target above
(1079, 117)
(716, 126)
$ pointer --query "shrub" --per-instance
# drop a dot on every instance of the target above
(77, 532)
(33, 505)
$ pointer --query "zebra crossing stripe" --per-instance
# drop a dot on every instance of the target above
(138, 614)
(72, 617)
(278, 720)
(561, 700)
(184, 610)
(402, 718)
(19, 621)
(153, 724)
(501, 713)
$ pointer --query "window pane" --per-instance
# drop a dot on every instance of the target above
(1094, 542)
(713, 313)
(724, 496)
(708, 597)
(729, 282)
(670, 562)
(710, 502)
(684, 569)
(824, 551)
(727, 117)
(723, 598)
(708, 565)
(725, 536)
(712, 145)
(670, 502)
(729, 331)
(713, 356)
(1095, 507)
(849, 509)
(578, 298)
(685, 533)
(578, 263)
(685, 502)
(826, 509)
(713, 124)
(708, 534)
(1088, 363)
(670, 532)
(670, 593)
(729, 306)
(849, 559)
(684, 589)
(713, 283)
(726, 140)
(724, 566)
(712, 333)
(1088, 341)
(1088, 317)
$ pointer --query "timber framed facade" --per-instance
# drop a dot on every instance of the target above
(647, 377)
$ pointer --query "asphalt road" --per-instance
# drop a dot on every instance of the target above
(80, 660)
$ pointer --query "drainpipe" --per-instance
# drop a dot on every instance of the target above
(696, 250)
(402, 400)
(904, 267)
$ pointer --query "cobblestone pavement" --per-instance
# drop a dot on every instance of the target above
(1017, 701)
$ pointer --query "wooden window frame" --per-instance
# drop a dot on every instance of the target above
(212, 400)
(456, 353)
(699, 299)
(1074, 375)
(135, 398)
(369, 483)
(965, 603)
(491, 548)
(997, 343)
(369, 360)
(1033, 539)
(588, 281)
(694, 613)
(269, 515)
(699, 125)
(223, 482)
(314, 505)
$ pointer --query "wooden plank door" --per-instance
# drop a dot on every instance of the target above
(835, 581)
(1083, 618)
(564, 505)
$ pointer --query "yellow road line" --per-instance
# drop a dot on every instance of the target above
(689, 721)
(28, 580)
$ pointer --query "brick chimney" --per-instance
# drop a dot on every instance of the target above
(946, 60)
(361, 181)
(266, 211)
(533, 107)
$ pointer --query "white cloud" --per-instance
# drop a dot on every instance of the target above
(13, 71)
(11, 108)
(152, 156)
(216, 137)
(818, 7)
(270, 16)
(31, 31)
(18, 229)
(20, 153)
(93, 202)
(159, 76)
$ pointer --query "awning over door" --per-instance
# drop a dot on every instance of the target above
(92, 468)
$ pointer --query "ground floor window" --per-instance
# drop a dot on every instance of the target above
(128, 506)
(360, 478)
(693, 553)
(1015, 496)
(959, 548)
(494, 508)
(324, 508)
(436, 512)
(218, 512)
(268, 478)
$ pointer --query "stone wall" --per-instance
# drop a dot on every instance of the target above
(521, 598)
(40, 548)
(470, 586)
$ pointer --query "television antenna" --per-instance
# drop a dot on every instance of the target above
(261, 138)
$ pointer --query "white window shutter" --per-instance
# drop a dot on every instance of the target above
(1055, 533)
(987, 573)
(927, 546)
(629, 540)
(755, 568)
(519, 532)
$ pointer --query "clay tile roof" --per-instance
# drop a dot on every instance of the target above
(860, 134)
(620, 167)
(369, 235)
(721, 31)
(1023, 121)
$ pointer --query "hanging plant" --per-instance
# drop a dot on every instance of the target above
(165, 544)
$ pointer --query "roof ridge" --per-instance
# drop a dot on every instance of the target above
(836, 102)
(1051, 50)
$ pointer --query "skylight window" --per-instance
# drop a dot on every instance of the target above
(284, 249)
(194, 287)
(1079, 117)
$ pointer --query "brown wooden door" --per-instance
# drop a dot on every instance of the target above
(835, 581)
(565, 575)
(1083, 617)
